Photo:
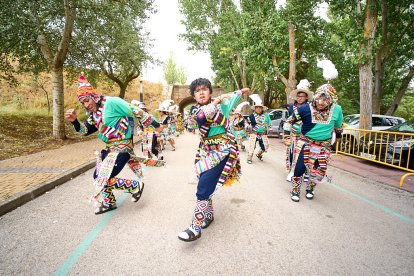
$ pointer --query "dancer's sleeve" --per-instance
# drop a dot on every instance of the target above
(338, 127)
(228, 105)
(86, 128)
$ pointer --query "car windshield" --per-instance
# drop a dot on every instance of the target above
(349, 118)
(354, 120)
(404, 127)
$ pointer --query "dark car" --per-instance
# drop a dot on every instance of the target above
(395, 146)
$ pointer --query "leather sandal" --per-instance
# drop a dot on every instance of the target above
(191, 236)
(136, 196)
(103, 209)
(206, 222)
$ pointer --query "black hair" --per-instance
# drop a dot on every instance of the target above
(200, 82)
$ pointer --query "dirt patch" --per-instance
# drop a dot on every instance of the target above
(23, 135)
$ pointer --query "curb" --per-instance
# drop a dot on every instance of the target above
(25, 196)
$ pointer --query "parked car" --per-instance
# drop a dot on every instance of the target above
(278, 118)
(391, 148)
(350, 136)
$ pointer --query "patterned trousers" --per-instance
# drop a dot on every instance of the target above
(204, 209)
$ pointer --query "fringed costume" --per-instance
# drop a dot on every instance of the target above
(260, 124)
(112, 122)
(312, 149)
(217, 159)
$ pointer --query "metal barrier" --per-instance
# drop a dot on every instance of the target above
(393, 149)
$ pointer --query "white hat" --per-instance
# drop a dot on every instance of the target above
(173, 109)
(139, 104)
(303, 86)
(165, 105)
(240, 106)
(257, 101)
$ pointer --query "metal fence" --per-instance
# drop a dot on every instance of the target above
(393, 149)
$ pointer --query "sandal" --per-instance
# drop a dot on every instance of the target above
(103, 209)
(190, 234)
(206, 222)
(136, 196)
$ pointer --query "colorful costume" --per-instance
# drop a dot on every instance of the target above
(312, 150)
(238, 125)
(303, 87)
(260, 124)
(217, 160)
(150, 145)
(112, 122)
(166, 120)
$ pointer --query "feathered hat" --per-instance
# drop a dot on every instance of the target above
(85, 89)
(329, 73)
(239, 108)
(303, 86)
(257, 101)
(165, 105)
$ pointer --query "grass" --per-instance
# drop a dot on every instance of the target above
(24, 132)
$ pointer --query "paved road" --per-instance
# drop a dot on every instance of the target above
(353, 226)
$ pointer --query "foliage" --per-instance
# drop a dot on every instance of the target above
(172, 73)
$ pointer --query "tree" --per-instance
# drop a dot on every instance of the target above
(172, 74)
(110, 39)
(38, 35)
(249, 44)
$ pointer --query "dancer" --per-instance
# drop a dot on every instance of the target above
(165, 120)
(217, 161)
(301, 95)
(320, 118)
(238, 124)
(110, 117)
(260, 124)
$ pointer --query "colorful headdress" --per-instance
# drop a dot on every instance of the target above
(239, 108)
(257, 101)
(303, 86)
(85, 89)
(329, 73)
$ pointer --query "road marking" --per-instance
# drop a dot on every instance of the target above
(376, 205)
(81, 248)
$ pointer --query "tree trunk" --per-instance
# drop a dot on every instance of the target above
(122, 90)
(56, 63)
(365, 65)
(401, 91)
(380, 61)
(291, 82)
(58, 103)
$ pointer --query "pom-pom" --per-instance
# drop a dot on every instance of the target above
(256, 99)
(329, 70)
(303, 84)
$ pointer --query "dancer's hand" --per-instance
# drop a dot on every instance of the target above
(245, 91)
(286, 140)
(70, 115)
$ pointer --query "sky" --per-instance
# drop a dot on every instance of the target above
(165, 27)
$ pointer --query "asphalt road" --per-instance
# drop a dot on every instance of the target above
(353, 226)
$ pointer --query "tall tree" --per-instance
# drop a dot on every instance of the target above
(172, 73)
(38, 35)
(31, 30)
(111, 39)
(366, 83)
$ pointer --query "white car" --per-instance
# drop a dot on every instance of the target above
(350, 136)
(278, 118)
